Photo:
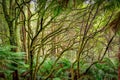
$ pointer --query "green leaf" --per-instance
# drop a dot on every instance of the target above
(57, 11)
(56, 79)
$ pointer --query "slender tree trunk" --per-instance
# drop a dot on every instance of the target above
(53, 50)
(119, 61)
(119, 72)
(23, 38)
(30, 44)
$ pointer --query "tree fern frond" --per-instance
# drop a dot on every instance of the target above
(7, 58)
(115, 23)
(112, 4)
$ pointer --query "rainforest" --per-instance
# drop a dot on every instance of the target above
(59, 39)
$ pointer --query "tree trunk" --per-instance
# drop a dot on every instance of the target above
(119, 61)
(119, 72)
(10, 22)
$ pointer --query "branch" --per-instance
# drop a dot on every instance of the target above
(89, 67)
(107, 47)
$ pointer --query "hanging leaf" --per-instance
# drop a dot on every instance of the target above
(115, 24)
(56, 79)
(57, 11)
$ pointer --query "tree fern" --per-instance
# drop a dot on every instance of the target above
(8, 59)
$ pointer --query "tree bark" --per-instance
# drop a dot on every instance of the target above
(12, 33)
(119, 61)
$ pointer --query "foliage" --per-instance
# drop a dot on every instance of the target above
(106, 69)
(61, 71)
(60, 39)
(9, 60)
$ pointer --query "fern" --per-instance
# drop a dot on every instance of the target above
(8, 59)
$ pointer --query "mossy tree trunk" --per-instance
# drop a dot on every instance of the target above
(10, 17)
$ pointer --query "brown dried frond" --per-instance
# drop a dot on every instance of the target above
(115, 24)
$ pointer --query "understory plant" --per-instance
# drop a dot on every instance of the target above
(105, 70)
(11, 61)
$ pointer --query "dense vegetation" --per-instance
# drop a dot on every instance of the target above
(59, 39)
